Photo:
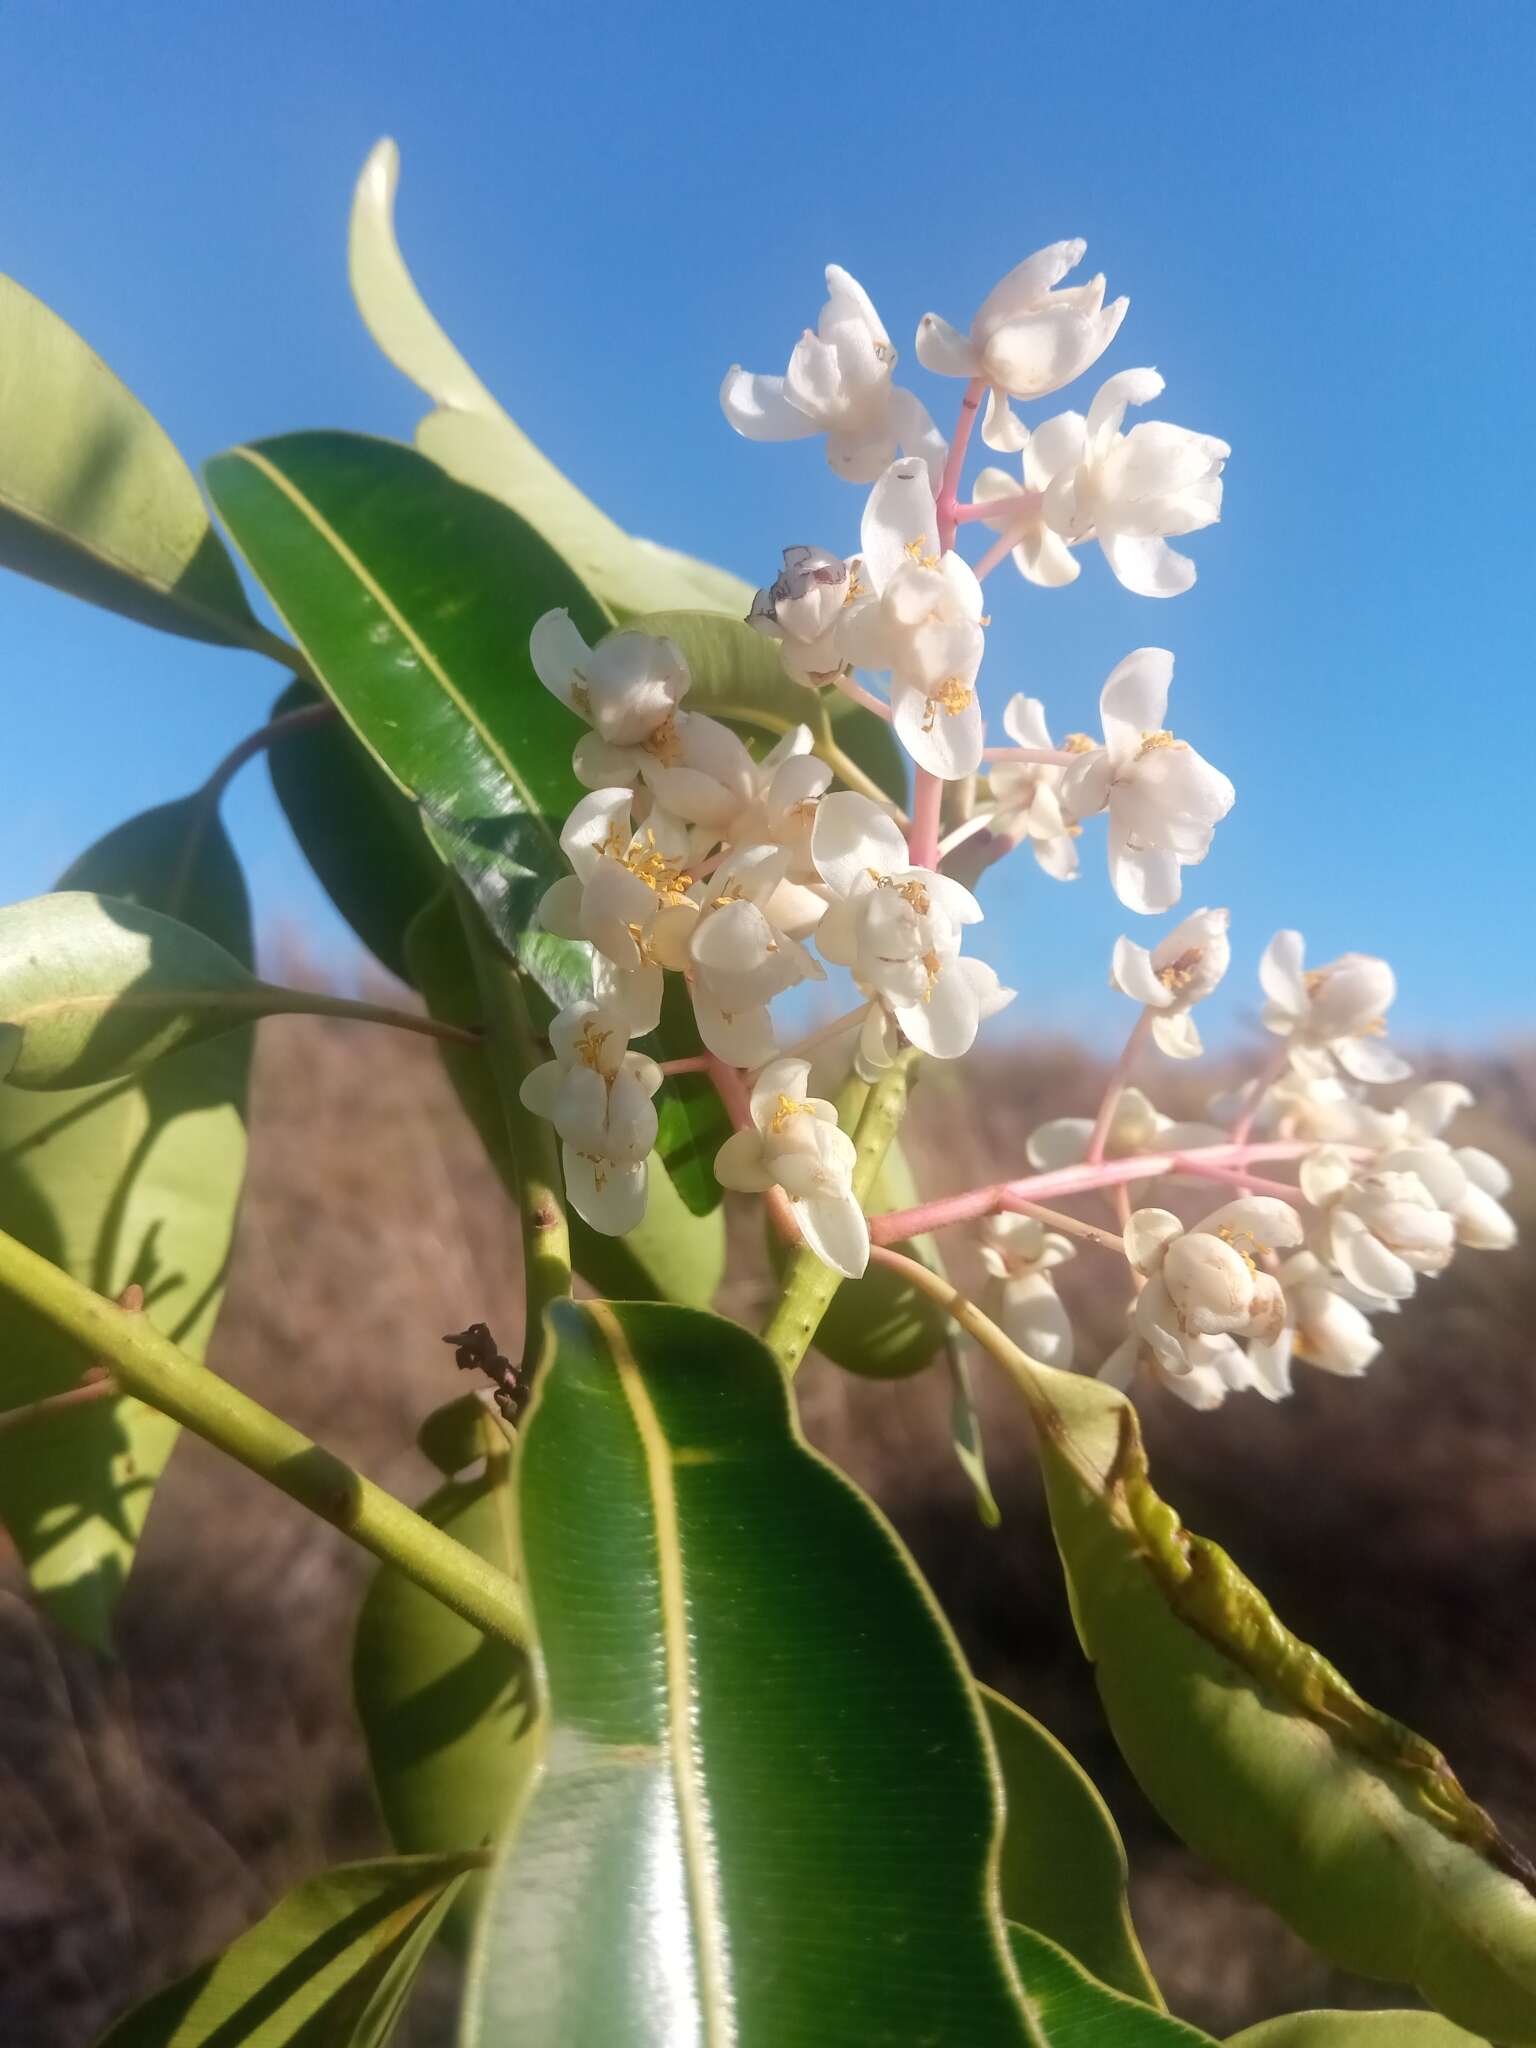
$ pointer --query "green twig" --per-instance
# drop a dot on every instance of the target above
(808, 1284)
(145, 1363)
(512, 1051)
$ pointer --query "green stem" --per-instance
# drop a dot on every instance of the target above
(145, 1363)
(512, 1051)
(303, 1002)
(808, 1284)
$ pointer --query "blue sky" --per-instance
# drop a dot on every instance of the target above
(1321, 215)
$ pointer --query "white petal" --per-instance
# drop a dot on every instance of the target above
(1001, 427)
(1272, 1222)
(1132, 972)
(558, 653)
(944, 349)
(1024, 722)
(852, 835)
(1369, 1059)
(1126, 387)
(1061, 1142)
(1034, 1316)
(835, 1228)
(1148, 1234)
(1146, 564)
(1280, 972)
(742, 1038)
(1145, 879)
(1057, 445)
(788, 1077)
(900, 515)
(1134, 700)
(611, 1198)
(1365, 1261)
(1177, 1036)
(946, 1024)
(758, 408)
(741, 1164)
(913, 426)
(1484, 1223)
(1044, 559)
(560, 909)
(1026, 286)
(1324, 1174)
(947, 743)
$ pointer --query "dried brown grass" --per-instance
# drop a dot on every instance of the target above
(151, 1808)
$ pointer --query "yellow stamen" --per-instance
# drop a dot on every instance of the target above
(786, 1109)
(1077, 743)
(663, 744)
(951, 697)
(1153, 742)
(914, 551)
(589, 1047)
(1181, 972)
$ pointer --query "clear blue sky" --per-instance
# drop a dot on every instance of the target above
(1322, 216)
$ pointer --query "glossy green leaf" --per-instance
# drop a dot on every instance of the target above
(1063, 1870)
(472, 438)
(674, 1255)
(329, 1967)
(413, 598)
(1075, 2010)
(127, 1181)
(1357, 2030)
(363, 839)
(94, 499)
(766, 1811)
(448, 1714)
(1261, 1755)
(93, 988)
(736, 673)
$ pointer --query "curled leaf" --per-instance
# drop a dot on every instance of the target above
(1261, 1755)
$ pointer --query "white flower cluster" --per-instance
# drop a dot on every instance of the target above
(690, 856)
(751, 877)
(909, 607)
(1383, 1198)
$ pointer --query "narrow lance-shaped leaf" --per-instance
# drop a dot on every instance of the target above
(766, 1814)
(1063, 1870)
(673, 1255)
(1074, 2010)
(94, 499)
(449, 1714)
(329, 1967)
(473, 439)
(129, 1181)
(1261, 1755)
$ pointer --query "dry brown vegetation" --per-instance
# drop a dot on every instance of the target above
(151, 1808)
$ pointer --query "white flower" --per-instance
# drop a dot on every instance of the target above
(1205, 1283)
(1020, 1253)
(741, 960)
(814, 610)
(790, 782)
(597, 1094)
(1332, 1013)
(796, 1145)
(1179, 971)
(1027, 794)
(1382, 1229)
(898, 929)
(626, 688)
(1480, 1217)
(1226, 1369)
(1326, 1325)
(1164, 800)
(1129, 490)
(1135, 1126)
(1323, 1108)
(928, 628)
(1029, 337)
(628, 896)
(839, 384)
(1039, 552)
